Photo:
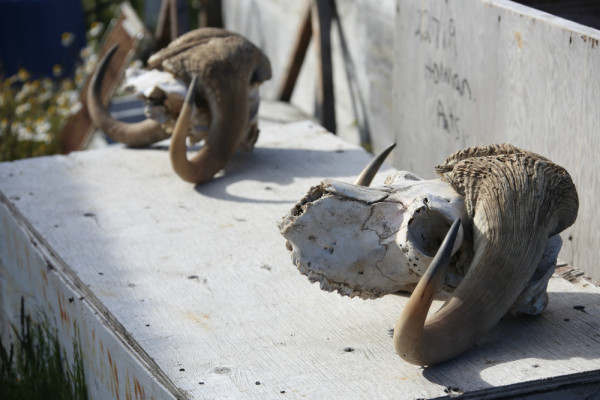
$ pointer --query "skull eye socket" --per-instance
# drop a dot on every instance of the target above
(427, 230)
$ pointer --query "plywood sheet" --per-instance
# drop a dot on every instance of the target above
(493, 71)
(198, 282)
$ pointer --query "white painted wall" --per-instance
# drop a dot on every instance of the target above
(438, 76)
(483, 72)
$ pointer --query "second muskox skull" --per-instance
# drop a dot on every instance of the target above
(497, 209)
(223, 70)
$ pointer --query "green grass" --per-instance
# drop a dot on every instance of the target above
(35, 367)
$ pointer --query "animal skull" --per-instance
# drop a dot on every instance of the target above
(223, 70)
(368, 242)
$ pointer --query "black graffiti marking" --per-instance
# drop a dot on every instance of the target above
(439, 73)
(432, 30)
(428, 28)
(447, 120)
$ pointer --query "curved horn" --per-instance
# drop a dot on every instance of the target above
(367, 174)
(137, 134)
(517, 202)
(224, 135)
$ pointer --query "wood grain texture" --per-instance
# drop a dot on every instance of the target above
(496, 72)
(199, 279)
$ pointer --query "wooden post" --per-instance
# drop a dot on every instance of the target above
(297, 58)
(166, 28)
(211, 14)
(317, 19)
(321, 25)
(172, 22)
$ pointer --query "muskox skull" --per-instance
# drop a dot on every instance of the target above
(495, 215)
(224, 71)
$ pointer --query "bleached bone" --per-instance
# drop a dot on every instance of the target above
(223, 104)
(369, 242)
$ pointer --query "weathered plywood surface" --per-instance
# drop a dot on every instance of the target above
(34, 277)
(197, 283)
(491, 71)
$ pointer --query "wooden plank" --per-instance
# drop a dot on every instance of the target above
(210, 14)
(199, 291)
(128, 31)
(496, 72)
(318, 20)
(297, 58)
(172, 22)
(321, 25)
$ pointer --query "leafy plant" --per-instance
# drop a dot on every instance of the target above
(33, 110)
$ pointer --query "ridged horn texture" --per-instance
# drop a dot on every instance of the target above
(227, 67)
(517, 200)
(228, 70)
(138, 134)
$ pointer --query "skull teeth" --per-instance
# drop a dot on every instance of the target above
(330, 286)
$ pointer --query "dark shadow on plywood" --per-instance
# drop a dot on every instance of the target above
(532, 339)
(261, 165)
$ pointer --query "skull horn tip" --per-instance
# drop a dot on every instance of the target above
(409, 326)
(367, 174)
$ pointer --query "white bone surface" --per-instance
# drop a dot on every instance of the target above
(192, 288)
(371, 241)
(143, 82)
(146, 83)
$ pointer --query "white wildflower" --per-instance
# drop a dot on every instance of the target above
(42, 126)
(22, 109)
(26, 89)
(96, 29)
(44, 96)
(62, 100)
(67, 38)
(86, 52)
(23, 75)
(42, 131)
(90, 64)
(24, 132)
(75, 108)
(47, 84)
(56, 70)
